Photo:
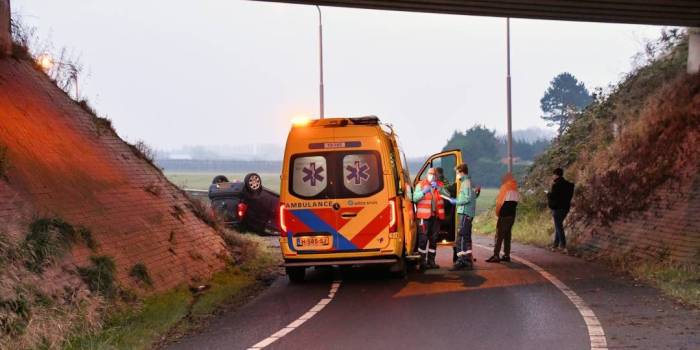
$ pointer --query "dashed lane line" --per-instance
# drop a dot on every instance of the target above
(596, 334)
(299, 321)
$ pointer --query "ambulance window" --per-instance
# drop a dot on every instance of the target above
(448, 164)
(309, 176)
(362, 173)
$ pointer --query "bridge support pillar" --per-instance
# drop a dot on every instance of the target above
(693, 50)
(5, 35)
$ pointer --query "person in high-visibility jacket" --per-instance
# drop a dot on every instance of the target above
(430, 209)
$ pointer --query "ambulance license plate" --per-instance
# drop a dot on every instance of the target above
(314, 242)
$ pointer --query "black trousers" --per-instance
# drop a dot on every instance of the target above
(504, 228)
(463, 241)
(428, 230)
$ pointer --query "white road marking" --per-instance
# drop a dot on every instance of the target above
(595, 329)
(299, 321)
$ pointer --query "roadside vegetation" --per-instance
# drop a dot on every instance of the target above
(4, 162)
(533, 224)
(633, 137)
(165, 316)
(36, 310)
(50, 301)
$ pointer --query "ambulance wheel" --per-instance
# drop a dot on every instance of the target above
(296, 274)
(399, 269)
(253, 183)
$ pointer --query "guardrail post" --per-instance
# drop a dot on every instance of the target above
(5, 35)
(693, 50)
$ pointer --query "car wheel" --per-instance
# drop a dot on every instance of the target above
(296, 274)
(253, 183)
(219, 178)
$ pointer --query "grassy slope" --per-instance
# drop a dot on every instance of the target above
(180, 310)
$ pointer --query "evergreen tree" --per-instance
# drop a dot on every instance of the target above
(565, 97)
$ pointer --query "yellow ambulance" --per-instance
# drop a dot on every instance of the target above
(345, 195)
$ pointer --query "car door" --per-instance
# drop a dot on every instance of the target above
(446, 160)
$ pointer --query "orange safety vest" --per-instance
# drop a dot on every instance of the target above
(424, 207)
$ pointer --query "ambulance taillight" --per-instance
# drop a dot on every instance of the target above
(392, 220)
(283, 225)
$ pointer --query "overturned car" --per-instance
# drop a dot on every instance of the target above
(247, 205)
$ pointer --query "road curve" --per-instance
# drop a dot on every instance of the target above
(496, 306)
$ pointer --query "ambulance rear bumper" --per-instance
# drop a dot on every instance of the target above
(307, 263)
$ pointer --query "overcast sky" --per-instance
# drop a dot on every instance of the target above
(227, 72)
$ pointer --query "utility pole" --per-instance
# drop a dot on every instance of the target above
(320, 59)
(510, 121)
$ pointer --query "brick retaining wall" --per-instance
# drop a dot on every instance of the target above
(63, 165)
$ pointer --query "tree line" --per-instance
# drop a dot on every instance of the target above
(486, 153)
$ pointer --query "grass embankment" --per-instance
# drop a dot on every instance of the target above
(202, 180)
(171, 314)
(533, 223)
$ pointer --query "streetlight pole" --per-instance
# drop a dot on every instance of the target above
(320, 59)
(510, 121)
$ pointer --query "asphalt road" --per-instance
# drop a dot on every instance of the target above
(495, 306)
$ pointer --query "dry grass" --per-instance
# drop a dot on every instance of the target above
(173, 313)
(681, 281)
(144, 152)
(533, 224)
(36, 313)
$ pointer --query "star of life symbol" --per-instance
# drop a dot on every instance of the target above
(359, 172)
(313, 174)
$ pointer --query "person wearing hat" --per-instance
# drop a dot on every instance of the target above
(430, 210)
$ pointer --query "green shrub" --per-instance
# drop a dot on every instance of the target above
(14, 315)
(47, 239)
(140, 273)
(86, 236)
(100, 276)
(201, 211)
(4, 162)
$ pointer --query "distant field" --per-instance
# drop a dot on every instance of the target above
(486, 200)
(201, 181)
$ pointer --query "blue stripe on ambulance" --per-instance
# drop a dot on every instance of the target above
(310, 219)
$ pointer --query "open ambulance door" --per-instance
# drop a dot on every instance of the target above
(446, 160)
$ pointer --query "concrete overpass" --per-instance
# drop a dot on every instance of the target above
(683, 13)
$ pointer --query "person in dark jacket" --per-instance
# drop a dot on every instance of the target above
(559, 201)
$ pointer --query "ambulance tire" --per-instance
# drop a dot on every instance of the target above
(296, 274)
(399, 269)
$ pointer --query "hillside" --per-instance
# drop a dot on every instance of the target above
(634, 157)
(83, 216)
